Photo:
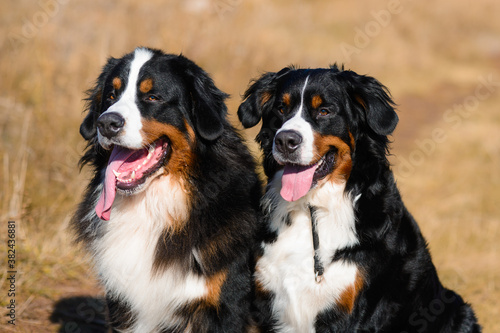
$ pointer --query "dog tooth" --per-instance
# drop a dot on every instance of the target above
(116, 173)
(133, 174)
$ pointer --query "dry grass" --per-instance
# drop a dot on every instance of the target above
(430, 55)
(454, 196)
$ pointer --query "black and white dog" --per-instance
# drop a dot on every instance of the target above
(171, 213)
(341, 252)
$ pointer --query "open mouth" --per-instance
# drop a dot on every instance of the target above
(297, 180)
(128, 170)
(133, 167)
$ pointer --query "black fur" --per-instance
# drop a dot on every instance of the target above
(401, 290)
(221, 181)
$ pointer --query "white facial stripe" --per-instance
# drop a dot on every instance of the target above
(126, 106)
(141, 56)
(299, 124)
(302, 96)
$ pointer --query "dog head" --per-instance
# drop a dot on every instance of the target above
(146, 113)
(313, 123)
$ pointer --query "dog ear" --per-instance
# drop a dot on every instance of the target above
(209, 107)
(376, 100)
(258, 98)
(88, 128)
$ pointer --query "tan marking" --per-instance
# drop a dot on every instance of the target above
(348, 297)
(146, 86)
(214, 287)
(316, 101)
(343, 159)
(117, 83)
(199, 307)
(265, 97)
(361, 101)
(353, 142)
(182, 155)
(179, 166)
(287, 99)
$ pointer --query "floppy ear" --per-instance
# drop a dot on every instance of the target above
(88, 127)
(377, 103)
(210, 109)
(258, 98)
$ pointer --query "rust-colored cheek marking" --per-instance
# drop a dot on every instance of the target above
(316, 101)
(287, 99)
(117, 83)
(343, 158)
(146, 86)
(182, 155)
(348, 297)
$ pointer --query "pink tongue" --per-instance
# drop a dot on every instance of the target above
(118, 157)
(296, 181)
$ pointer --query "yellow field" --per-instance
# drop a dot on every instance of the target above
(441, 60)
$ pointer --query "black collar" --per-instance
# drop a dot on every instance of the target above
(318, 266)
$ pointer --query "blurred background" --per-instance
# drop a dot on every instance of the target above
(441, 61)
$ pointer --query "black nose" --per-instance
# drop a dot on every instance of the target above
(287, 142)
(110, 124)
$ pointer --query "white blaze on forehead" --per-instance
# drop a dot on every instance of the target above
(126, 106)
(299, 124)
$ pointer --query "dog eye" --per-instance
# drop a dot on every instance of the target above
(111, 96)
(323, 112)
(152, 98)
(281, 110)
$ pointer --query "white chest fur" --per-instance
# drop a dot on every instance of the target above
(287, 265)
(124, 255)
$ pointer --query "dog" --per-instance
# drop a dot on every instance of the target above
(171, 212)
(340, 251)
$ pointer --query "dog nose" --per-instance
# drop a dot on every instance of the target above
(110, 124)
(287, 142)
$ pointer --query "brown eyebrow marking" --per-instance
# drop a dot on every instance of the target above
(287, 99)
(316, 101)
(146, 85)
(117, 83)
